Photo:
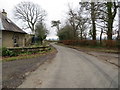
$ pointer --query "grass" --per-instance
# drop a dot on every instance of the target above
(28, 55)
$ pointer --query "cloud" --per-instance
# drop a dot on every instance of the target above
(55, 9)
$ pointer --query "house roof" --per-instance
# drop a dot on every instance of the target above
(7, 25)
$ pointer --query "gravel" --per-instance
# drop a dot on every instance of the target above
(14, 72)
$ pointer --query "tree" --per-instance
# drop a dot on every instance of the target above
(93, 19)
(56, 24)
(82, 28)
(91, 10)
(83, 21)
(73, 22)
(65, 33)
(111, 13)
(107, 15)
(30, 13)
(41, 31)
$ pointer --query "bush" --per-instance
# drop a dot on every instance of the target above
(4, 51)
(92, 42)
(7, 52)
(109, 43)
(83, 42)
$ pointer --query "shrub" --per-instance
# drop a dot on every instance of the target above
(109, 43)
(118, 44)
(83, 42)
(4, 51)
(66, 42)
(7, 52)
(92, 42)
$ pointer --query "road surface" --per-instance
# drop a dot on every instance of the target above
(73, 69)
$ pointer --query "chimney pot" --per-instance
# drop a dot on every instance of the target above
(4, 13)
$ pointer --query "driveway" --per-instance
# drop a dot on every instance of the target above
(73, 69)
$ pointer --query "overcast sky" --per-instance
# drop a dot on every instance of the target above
(56, 10)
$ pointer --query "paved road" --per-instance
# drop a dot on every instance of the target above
(73, 69)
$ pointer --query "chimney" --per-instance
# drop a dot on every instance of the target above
(4, 13)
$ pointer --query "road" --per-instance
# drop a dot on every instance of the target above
(73, 69)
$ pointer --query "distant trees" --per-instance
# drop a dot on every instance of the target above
(30, 13)
(66, 33)
(76, 26)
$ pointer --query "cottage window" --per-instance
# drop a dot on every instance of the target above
(15, 40)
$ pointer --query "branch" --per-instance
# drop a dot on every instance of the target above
(115, 10)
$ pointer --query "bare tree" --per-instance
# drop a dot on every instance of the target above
(73, 21)
(111, 15)
(107, 15)
(92, 10)
(30, 13)
(83, 21)
(93, 19)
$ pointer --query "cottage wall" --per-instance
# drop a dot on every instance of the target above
(21, 40)
(8, 39)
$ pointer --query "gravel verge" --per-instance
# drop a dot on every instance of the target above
(15, 72)
(110, 57)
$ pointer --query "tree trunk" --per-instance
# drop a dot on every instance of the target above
(81, 34)
(93, 21)
(119, 22)
(75, 33)
(110, 20)
(58, 27)
(101, 36)
(41, 41)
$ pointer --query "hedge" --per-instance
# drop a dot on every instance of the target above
(105, 43)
